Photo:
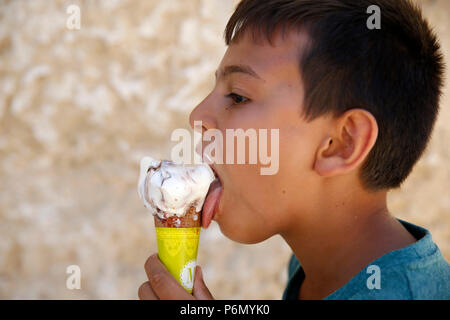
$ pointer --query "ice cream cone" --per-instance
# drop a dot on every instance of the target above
(175, 194)
(178, 239)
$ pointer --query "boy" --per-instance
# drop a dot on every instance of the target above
(355, 107)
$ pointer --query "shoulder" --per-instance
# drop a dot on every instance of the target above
(429, 278)
(427, 272)
(403, 282)
(416, 272)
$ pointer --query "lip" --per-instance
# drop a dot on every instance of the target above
(216, 174)
(214, 170)
(206, 159)
(217, 203)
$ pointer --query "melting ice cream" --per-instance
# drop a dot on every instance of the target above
(168, 189)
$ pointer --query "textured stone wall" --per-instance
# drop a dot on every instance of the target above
(79, 108)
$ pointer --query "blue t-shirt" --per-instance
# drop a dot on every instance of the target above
(418, 271)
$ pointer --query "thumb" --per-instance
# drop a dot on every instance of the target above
(200, 291)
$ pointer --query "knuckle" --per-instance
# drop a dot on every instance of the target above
(157, 281)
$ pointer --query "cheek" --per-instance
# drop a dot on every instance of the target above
(254, 207)
(297, 150)
(250, 209)
(242, 186)
(240, 223)
(245, 186)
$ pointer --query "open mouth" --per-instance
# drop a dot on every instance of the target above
(212, 200)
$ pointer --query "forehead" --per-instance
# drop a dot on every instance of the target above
(268, 60)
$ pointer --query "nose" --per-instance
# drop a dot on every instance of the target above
(204, 112)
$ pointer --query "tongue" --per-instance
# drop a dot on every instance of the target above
(211, 203)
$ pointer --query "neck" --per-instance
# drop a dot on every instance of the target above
(339, 238)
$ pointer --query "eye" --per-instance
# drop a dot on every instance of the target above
(237, 99)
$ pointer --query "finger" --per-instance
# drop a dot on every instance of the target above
(201, 292)
(162, 282)
(145, 292)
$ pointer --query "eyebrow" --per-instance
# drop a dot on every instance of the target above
(245, 69)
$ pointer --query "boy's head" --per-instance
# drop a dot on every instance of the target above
(354, 106)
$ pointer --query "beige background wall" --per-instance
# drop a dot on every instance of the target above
(79, 108)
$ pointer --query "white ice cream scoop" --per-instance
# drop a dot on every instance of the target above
(168, 189)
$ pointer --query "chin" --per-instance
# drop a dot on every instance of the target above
(238, 232)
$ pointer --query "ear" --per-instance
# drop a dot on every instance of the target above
(354, 135)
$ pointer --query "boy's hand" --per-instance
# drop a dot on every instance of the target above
(162, 285)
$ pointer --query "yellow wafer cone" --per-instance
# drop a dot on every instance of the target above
(178, 240)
